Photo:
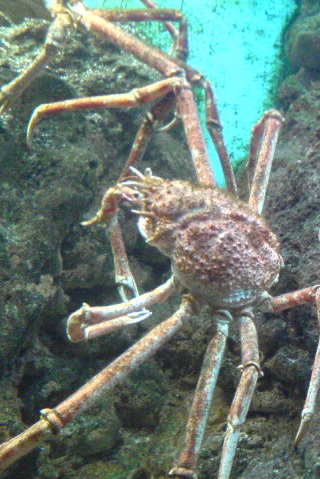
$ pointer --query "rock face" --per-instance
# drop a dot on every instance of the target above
(302, 45)
(18, 10)
(50, 265)
(303, 42)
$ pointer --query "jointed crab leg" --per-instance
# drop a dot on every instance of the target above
(187, 111)
(171, 28)
(139, 15)
(215, 129)
(123, 276)
(82, 323)
(53, 420)
(310, 402)
(133, 99)
(180, 37)
(169, 67)
(188, 459)
(264, 136)
(150, 124)
(54, 43)
(286, 301)
(186, 107)
(163, 63)
(155, 14)
(290, 300)
(242, 399)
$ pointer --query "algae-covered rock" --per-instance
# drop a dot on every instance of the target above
(18, 10)
(303, 44)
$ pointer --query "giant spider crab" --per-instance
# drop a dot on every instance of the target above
(223, 255)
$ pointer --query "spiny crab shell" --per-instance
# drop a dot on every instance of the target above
(220, 250)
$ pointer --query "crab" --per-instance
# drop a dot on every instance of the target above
(224, 257)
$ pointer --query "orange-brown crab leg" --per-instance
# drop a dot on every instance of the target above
(150, 124)
(188, 459)
(54, 42)
(310, 402)
(160, 61)
(171, 28)
(250, 373)
(124, 278)
(187, 111)
(89, 322)
(123, 274)
(180, 48)
(290, 300)
(53, 420)
(133, 99)
(185, 103)
(264, 137)
(164, 64)
(215, 129)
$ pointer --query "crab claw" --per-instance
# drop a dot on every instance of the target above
(79, 326)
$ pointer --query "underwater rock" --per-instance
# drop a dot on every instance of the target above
(18, 10)
(303, 43)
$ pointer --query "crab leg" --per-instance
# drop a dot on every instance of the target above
(188, 112)
(171, 28)
(153, 14)
(53, 420)
(169, 68)
(54, 43)
(160, 61)
(139, 15)
(291, 300)
(188, 459)
(149, 125)
(186, 107)
(123, 276)
(180, 37)
(165, 65)
(84, 323)
(215, 129)
(310, 403)
(133, 99)
(264, 136)
(250, 372)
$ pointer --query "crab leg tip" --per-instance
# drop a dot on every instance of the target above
(304, 426)
(183, 472)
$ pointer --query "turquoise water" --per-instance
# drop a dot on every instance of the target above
(238, 46)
